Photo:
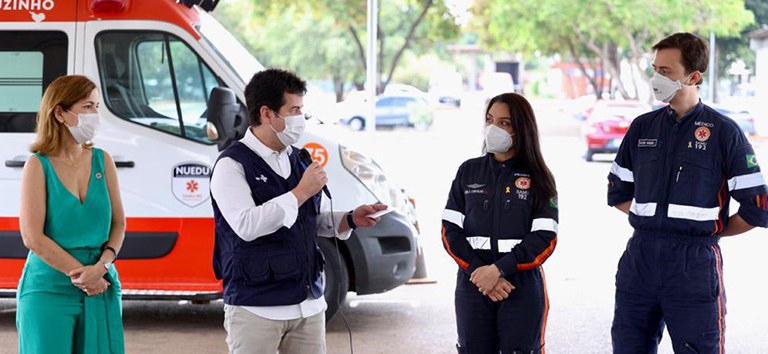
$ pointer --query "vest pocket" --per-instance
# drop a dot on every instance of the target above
(255, 270)
(284, 266)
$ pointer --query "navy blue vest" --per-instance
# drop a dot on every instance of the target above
(277, 269)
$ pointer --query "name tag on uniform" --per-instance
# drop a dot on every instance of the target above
(647, 143)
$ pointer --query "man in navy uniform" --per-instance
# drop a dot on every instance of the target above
(267, 209)
(674, 175)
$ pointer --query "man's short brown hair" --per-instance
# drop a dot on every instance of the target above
(694, 50)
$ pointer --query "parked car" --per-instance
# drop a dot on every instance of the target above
(743, 118)
(395, 110)
(608, 122)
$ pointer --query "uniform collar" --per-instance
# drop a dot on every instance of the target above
(672, 115)
(253, 143)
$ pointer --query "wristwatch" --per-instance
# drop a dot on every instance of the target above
(350, 221)
(106, 265)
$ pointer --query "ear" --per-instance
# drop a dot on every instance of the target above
(266, 114)
(696, 78)
(58, 114)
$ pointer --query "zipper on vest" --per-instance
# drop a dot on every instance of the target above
(309, 267)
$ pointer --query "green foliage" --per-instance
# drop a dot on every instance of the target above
(590, 30)
(326, 39)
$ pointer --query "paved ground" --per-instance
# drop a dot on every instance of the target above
(419, 318)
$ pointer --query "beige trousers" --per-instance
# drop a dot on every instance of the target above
(248, 333)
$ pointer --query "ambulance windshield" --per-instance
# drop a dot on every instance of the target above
(228, 48)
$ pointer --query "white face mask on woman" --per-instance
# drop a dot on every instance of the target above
(87, 125)
(294, 128)
(664, 89)
(497, 140)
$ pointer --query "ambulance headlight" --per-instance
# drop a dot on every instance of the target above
(370, 174)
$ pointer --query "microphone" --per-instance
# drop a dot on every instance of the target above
(307, 160)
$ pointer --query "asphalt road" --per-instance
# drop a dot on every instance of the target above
(420, 318)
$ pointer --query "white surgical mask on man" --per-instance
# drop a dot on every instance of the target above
(497, 140)
(85, 130)
(664, 89)
(294, 128)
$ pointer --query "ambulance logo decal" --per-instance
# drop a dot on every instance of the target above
(523, 183)
(191, 183)
(702, 134)
(192, 186)
(37, 17)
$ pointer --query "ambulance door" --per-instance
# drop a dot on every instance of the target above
(154, 93)
(33, 52)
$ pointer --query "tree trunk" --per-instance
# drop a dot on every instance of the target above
(408, 38)
(592, 79)
(360, 49)
(611, 52)
(599, 94)
(338, 87)
(607, 54)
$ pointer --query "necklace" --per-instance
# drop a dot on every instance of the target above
(71, 162)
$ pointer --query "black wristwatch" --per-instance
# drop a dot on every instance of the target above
(351, 222)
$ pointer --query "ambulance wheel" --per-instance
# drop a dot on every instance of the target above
(336, 277)
(357, 124)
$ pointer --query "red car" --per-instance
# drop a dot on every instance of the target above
(607, 123)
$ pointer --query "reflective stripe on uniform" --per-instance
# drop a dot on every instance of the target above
(507, 245)
(454, 217)
(692, 213)
(642, 209)
(746, 181)
(479, 242)
(624, 174)
(484, 243)
(544, 224)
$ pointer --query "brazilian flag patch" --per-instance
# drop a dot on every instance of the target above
(553, 202)
(751, 161)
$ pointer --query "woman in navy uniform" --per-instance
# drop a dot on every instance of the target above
(500, 225)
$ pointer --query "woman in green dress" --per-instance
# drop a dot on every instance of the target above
(73, 223)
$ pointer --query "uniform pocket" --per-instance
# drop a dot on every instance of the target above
(646, 174)
(695, 182)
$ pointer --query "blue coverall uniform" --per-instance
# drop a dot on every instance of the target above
(679, 175)
(490, 219)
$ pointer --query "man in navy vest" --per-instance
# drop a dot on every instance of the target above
(267, 208)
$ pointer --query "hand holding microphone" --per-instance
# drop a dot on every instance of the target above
(312, 181)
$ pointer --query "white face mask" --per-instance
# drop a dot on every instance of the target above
(497, 140)
(85, 130)
(294, 128)
(664, 89)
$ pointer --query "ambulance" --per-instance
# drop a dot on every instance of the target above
(172, 81)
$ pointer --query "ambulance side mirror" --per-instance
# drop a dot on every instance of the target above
(227, 119)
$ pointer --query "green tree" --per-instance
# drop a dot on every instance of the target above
(731, 49)
(603, 31)
(325, 39)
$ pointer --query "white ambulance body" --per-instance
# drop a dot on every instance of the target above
(157, 63)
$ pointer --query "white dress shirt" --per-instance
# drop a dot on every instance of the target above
(249, 221)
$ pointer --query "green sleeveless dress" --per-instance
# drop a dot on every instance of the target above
(54, 316)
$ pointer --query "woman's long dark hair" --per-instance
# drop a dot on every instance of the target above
(527, 145)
